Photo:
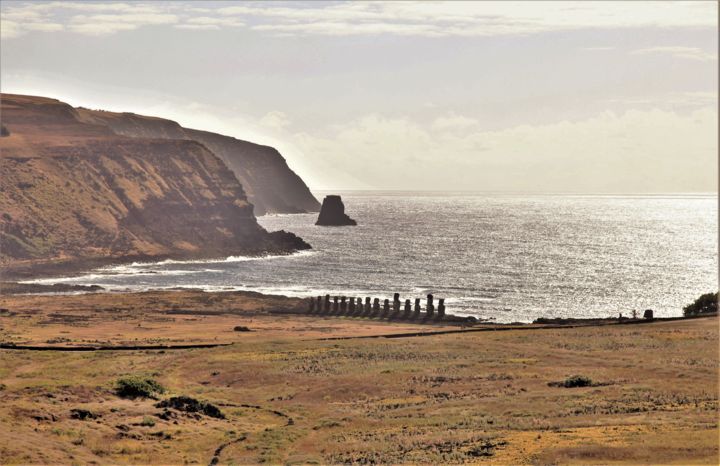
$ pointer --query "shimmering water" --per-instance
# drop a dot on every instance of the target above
(509, 257)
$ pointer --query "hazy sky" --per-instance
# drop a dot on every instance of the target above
(507, 96)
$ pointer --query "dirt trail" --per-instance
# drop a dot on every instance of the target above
(518, 327)
(218, 451)
(11, 346)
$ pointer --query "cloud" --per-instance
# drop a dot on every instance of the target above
(198, 27)
(470, 18)
(425, 19)
(673, 100)
(210, 21)
(104, 18)
(111, 23)
(275, 119)
(689, 53)
(634, 151)
(454, 122)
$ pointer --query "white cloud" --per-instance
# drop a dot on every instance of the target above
(45, 27)
(111, 23)
(643, 151)
(428, 19)
(198, 27)
(454, 122)
(669, 101)
(208, 20)
(105, 18)
(275, 119)
(472, 18)
(689, 53)
(10, 29)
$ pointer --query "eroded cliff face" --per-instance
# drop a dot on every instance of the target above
(271, 186)
(70, 188)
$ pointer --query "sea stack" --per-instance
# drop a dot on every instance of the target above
(332, 213)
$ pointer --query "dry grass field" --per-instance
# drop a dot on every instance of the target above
(290, 397)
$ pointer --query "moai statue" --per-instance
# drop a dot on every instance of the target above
(311, 307)
(429, 308)
(418, 308)
(441, 308)
(335, 305)
(376, 307)
(368, 307)
(343, 305)
(396, 306)
(319, 304)
(351, 306)
(359, 307)
(408, 309)
(386, 308)
(327, 303)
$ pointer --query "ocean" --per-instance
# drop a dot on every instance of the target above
(494, 256)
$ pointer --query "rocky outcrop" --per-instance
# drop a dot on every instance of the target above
(70, 188)
(332, 213)
(271, 186)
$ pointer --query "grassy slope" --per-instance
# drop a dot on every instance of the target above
(481, 397)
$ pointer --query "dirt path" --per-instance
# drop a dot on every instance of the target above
(518, 327)
(10, 346)
(218, 451)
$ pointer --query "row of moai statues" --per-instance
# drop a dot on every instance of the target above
(354, 307)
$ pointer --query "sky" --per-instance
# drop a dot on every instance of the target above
(580, 97)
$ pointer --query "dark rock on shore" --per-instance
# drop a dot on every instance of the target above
(289, 241)
(332, 213)
(26, 288)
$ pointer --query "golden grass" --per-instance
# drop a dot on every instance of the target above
(291, 398)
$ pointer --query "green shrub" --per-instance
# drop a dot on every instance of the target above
(705, 304)
(147, 421)
(138, 387)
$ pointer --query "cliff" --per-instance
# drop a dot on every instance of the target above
(271, 186)
(71, 188)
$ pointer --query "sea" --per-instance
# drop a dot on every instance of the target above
(501, 257)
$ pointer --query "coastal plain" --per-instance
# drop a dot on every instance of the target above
(292, 394)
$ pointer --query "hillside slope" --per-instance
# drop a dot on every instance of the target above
(271, 186)
(71, 189)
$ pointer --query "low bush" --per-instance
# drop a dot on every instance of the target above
(138, 387)
(82, 414)
(147, 422)
(573, 381)
(191, 405)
